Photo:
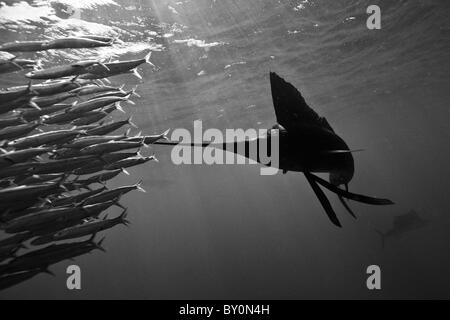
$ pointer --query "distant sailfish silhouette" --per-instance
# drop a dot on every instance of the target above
(307, 143)
(402, 225)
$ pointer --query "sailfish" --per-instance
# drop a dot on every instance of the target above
(307, 144)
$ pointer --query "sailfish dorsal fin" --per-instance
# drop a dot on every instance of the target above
(291, 108)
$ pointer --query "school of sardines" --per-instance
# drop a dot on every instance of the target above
(57, 153)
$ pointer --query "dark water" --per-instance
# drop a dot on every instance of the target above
(225, 231)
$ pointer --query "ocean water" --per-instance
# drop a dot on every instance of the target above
(225, 232)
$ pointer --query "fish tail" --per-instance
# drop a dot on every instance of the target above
(153, 157)
(123, 218)
(165, 135)
(118, 204)
(99, 246)
(127, 98)
(119, 107)
(34, 105)
(136, 74)
(48, 271)
(104, 66)
(143, 144)
(133, 92)
(139, 187)
(125, 135)
(147, 58)
(130, 122)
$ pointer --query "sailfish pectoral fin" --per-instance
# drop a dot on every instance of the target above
(323, 200)
(347, 207)
(352, 196)
(345, 204)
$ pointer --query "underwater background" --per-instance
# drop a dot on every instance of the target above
(226, 232)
